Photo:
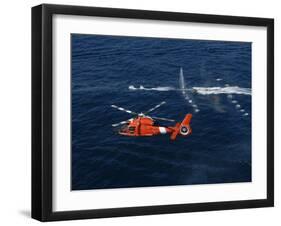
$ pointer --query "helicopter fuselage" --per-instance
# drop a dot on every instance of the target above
(145, 126)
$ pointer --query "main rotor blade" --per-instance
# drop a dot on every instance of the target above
(157, 106)
(123, 109)
(164, 119)
(122, 123)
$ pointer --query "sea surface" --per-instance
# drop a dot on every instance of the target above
(138, 73)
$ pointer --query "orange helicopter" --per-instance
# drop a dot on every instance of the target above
(143, 125)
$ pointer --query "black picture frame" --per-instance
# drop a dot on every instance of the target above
(42, 111)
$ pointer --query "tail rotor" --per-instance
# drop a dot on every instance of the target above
(182, 128)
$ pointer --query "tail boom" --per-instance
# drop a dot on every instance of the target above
(182, 128)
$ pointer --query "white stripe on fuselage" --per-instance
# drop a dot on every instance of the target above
(162, 130)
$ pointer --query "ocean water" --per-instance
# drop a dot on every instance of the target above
(138, 73)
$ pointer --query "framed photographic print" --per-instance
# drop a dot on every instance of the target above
(146, 112)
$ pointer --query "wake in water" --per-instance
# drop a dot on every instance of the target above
(223, 90)
(218, 90)
(185, 93)
(163, 88)
(199, 90)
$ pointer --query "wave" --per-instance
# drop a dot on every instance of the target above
(199, 90)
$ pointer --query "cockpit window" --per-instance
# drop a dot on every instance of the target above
(132, 128)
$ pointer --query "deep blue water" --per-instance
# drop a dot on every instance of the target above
(218, 150)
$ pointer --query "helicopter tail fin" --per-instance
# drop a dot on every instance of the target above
(182, 128)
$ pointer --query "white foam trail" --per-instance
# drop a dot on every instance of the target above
(161, 88)
(228, 90)
(222, 90)
(183, 89)
(132, 87)
(181, 82)
(200, 90)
